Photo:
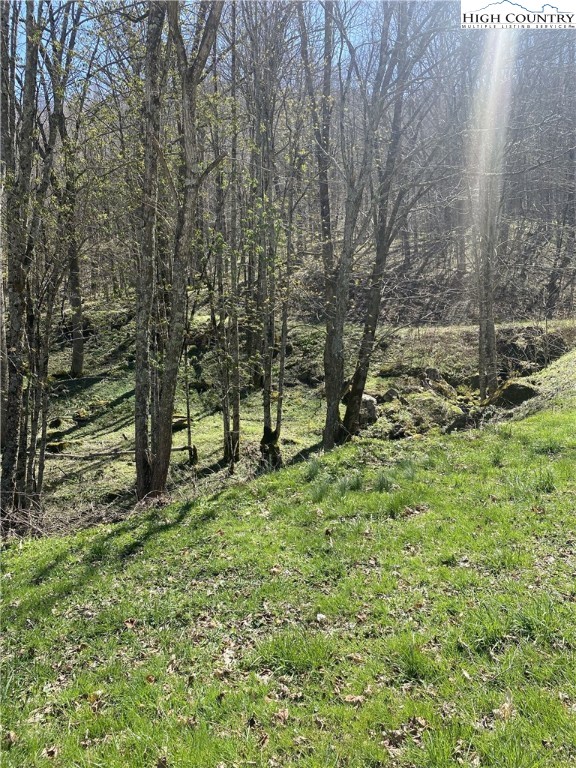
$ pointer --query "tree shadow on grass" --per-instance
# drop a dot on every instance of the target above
(72, 470)
(119, 351)
(212, 469)
(77, 386)
(304, 454)
(105, 553)
(88, 420)
(121, 423)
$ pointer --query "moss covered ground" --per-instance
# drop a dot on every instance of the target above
(96, 413)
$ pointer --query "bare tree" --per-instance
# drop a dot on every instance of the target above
(145, 288)
(487, 164)
(408, 163)
(153, 462)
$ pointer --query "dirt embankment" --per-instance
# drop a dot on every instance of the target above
(422, 398)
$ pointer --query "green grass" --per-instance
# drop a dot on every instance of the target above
(81, 492)
(408, 604)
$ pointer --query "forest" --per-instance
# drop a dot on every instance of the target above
(288, 386)
(212, 176)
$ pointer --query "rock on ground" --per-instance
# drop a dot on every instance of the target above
(513, 393)
(368, 411)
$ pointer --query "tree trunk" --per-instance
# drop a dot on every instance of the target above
(190, 74)
(3, 368)
(234, 286)
(488, 364)
(333, 345)
(18, 263)
(7, 112)
(565, 257)
(354, 400)
(385, 220)
(77, 364)
(147, 250)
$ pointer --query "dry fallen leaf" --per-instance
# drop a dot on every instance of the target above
(352, 699)
(9, 739)
(92, 697)
(50, 751)
(189, 721)
(263, 740)
(505, 711)
(38, 715)
(395, 739)
(282, 716)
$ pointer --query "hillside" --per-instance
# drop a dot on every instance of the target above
(396, 603)
(90, 465)
(287, 387)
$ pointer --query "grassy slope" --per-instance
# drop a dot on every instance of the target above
(403, 604)
(80, 492)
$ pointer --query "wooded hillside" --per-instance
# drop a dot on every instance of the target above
(214, 175)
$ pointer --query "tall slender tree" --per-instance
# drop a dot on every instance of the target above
(153, 463)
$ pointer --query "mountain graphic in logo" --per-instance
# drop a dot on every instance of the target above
(532, 14)
(506, 5)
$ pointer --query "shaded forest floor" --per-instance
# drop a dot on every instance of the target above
(408, 603)
(95, 415)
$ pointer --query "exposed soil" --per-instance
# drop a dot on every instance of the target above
(422, 398)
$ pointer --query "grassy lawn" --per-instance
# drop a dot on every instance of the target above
(408, 603)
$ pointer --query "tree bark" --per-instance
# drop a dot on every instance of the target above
(384, 220)
(18, 262)
(234, 286)
(190, 74)
(75, 285)
(147, 249)
(488, 364)
(333, 345)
